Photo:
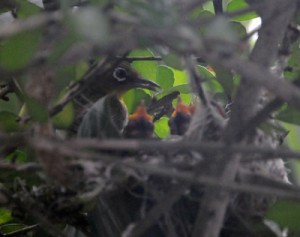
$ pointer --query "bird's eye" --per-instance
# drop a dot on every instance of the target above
(120, 74)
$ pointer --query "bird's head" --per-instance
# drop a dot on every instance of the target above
(180, 119)
(140, 124)
(124, 77)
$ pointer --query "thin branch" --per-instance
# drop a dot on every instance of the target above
(146, 58)
(21, 232)
(163, 146)
(197, 80)
(34, 22)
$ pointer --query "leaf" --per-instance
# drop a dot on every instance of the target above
(225, 78)
(133, 98)
(183, 89)
(161, 127)
(165, 77)
(8, 122)
(293, 141)
(289, 115)
(36, 110)
(5, 216)
(17, 51)
(173, 60)
(180, 77)
(199, 12)
(147, 69)
(293, 62)
(286, 214)
(26, 9)
(208, 6)
(236, 5)
(239, 29)
(204, 73)
(65, 118)
(12, 105)
(17, 155)
(64, 76)
(8, 228)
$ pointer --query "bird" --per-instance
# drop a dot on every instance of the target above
(104, 91)
(140, 124)
(180, 118)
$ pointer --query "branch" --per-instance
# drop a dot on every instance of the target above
(214, 203)
(163, 146)
(21, 232)
(34, 22)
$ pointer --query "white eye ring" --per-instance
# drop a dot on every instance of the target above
(120, 74)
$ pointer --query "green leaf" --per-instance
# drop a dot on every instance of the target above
(13, 105)
(180, 77)
(17, 51)
(161, 127)
(26, 9)
(173, 60)
(199, 12)
(293, 62)
(204, 73)
(183, 89)
(5, 216)
(8, 228)
(239, 29)
(209, 79)
(8, 122)
(147, 69)
(225, 78)
(65, 118)
(133, 98)
(208, 6)
(289, 115)
(18, 155)
(36, 110)
(236, 5)
(165, 77)
(286, 214)
(293, 141)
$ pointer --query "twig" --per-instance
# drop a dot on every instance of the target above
(197, 80)
(218, 6)
(19, 167)
(163, 146)
(31, 23)
(147, 58)
(21, 232)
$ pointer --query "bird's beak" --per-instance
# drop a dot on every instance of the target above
(146, 84)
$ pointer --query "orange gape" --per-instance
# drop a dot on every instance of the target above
(141, 112)
(181, 117)
(140, 124)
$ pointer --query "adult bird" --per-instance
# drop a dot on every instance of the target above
(102, 98)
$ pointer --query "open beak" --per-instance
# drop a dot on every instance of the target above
(146, 84)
